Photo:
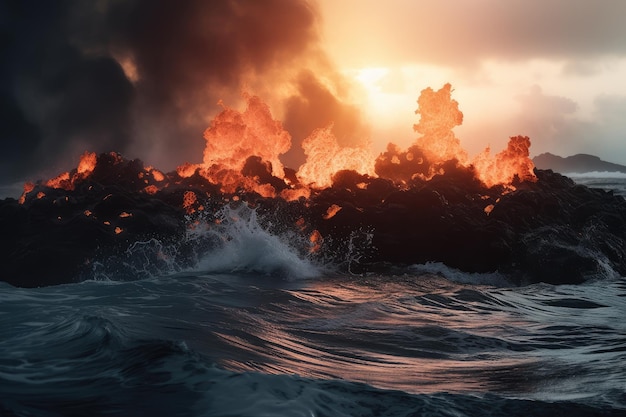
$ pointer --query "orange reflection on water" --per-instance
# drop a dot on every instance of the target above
(419, 338)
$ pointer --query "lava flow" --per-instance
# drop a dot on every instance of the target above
(429, 202)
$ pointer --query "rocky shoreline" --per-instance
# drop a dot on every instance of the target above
(551, 230)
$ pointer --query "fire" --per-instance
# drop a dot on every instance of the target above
(67, 181)
(439, 114)
(233, 136)
(87, 163)
(332, 210)
(243, 150)
(28, 187)
(61, 181)
(325, 158)
(511, 162)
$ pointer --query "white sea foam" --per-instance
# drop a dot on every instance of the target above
(241, 244)
(596, 174)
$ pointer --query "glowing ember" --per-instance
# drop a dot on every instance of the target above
(316, 241)
(151, 189)
(118, 230)
(189, 199)
(61, 181)
(156, 174)
(332, 210)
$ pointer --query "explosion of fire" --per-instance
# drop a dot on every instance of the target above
(235, 138)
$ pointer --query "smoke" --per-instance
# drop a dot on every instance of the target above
(143, 77)
(316, 106)
(54, 97)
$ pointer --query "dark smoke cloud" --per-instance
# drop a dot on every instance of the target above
(142, 77)
(53, 96)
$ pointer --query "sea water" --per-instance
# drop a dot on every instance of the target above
(257, 328)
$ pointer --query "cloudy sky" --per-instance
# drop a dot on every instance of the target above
(554, 70)
(143, 77)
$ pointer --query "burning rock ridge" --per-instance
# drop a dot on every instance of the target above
(430, 202)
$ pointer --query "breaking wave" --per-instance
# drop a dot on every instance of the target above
(234, 239)
(241, 244)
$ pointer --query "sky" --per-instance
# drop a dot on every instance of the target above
(145, 77)
(553, 70)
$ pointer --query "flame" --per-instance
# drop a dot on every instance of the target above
(233, 136)
(243, 150)
(87, 163)
(512, 162)
(28, 187)
(61, 181)
(439, 115)
(325, 158)
(67, 182)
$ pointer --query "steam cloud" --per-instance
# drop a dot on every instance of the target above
(142, 77)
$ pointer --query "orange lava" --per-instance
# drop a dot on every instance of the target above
(332, 210)
(189, 200)
(316, 241)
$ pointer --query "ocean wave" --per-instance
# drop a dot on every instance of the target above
(242, 244)
(199, 344)
(596, 174)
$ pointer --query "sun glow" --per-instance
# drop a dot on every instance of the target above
(385, 105)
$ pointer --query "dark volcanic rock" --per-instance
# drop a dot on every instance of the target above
(551, 230)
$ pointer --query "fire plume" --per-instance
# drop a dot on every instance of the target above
(439, 114)
(512, 162)
(325, 158)
(243, 150)
(234, 136)
(438, 145)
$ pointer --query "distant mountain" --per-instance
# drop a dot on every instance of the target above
(576, 163)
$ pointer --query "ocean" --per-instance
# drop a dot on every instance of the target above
(255, 329)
